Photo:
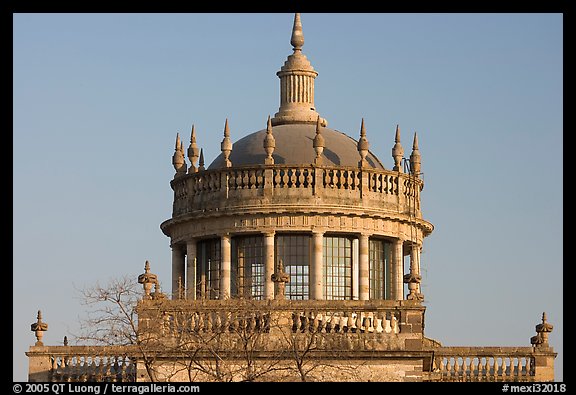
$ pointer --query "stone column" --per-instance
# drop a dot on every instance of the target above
(178, 266)
(355, 270)
(415, 262)
(364, 285)
(317, 273)
(268, 265)
(397, 270)
(225, 266)
(191, 269)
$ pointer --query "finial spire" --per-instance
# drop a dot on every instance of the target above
(542, 332)
(39, 328)
(178, 157)
(363, 145)
(415, 157)
(201, 161)
(147, 279)
(297, 39)
(226, 145)
(269, 143)
(318, 142)
(193, 151)
(397, 151)
(297, 84)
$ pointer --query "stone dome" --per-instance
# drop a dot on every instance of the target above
(294, 146)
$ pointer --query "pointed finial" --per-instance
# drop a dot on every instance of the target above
(39, 328)
(226, 145)
(226, 129)
(542, 332)
(269, 143)
(193, 151)
(201, 161)
(65, 340)
(297, 39)
(318, 142)
(397, 151)
(415, 157)
(177, 147)
(147, 279)
(178, 157)
(363, 145)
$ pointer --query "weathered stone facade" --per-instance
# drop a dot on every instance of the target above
(290, 255)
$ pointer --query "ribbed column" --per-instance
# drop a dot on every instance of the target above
(268, 265)
(364, 286)
(398, 270)
(191, 269)
(178, 265)
(225, 266)
(317, 273)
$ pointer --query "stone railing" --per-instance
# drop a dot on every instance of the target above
(318, 316)
(380, 317)
(209, 190)
(82, 363)
(484, 364)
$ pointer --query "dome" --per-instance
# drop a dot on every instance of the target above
(294, 146)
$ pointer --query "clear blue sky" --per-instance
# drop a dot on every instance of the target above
(98, 99)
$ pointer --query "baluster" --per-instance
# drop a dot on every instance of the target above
(378, 322)
(456, 367)
(200, 322)
(321, 323)
(204, 183)
(252, 179)
(245, 179)
(336, 324)
(352, 322)
(473, 367)
(492, 366)
(289, 178)
(295, 322)
(388, 325)
(394, 324)
(328, 323)
(344, 179)
(303, 321)
(284, 178)
(523, 371)
(339, 179)
(440, 365)
(448, 366)
(300, 178)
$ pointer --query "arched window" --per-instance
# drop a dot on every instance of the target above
(337, 267)
(247, 274)
(294, 250)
